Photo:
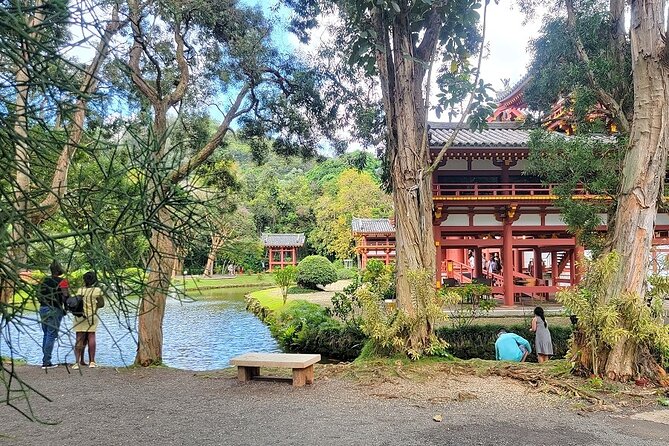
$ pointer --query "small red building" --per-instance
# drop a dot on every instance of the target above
(282, 249)
(374, 239)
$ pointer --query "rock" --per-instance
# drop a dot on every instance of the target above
(438, 418)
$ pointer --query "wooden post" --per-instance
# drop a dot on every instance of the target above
(294, 255)
(440, 255)
(579, 258)
(507, 259)
(478, 263)
(572, 267)
(245, 374)
(519, 260)
(538, 264)
(554, 268)
(300, 377)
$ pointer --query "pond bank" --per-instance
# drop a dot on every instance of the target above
(345, 406)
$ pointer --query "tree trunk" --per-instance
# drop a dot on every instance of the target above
(216, 241)
(152, 304)
(642, 183)
(402, 86)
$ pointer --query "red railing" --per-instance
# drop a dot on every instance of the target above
(497, 189)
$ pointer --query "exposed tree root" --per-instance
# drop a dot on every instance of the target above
(537, 378)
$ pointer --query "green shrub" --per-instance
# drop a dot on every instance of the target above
(346, 273)
(304, 327)
(284, 278)
(478, 341)
(315, 270)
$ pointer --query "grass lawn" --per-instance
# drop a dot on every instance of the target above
(271, 298)
(241, 280)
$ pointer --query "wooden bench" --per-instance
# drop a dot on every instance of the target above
(248, 365)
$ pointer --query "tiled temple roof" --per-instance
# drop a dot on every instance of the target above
(372, 225)
(513, 89)
(498, 134)
(282, 239)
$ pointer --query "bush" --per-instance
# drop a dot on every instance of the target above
(315, 270)
(346, 273)
(478, 341)
(304, 327)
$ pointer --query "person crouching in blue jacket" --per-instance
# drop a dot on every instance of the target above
(511, 347)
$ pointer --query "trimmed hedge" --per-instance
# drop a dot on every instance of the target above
(305, 327)
(478, 341)
(346, 273)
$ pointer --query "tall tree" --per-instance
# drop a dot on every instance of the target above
(396, 42)
(599, 63)
(42, 34)
(233, 55)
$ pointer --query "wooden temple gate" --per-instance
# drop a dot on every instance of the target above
(282, 249)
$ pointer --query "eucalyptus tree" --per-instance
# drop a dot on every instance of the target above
(396, 43)
(181, 53)
(625, 74)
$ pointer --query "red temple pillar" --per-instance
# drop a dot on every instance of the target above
(282, 251)
(294, 256)
(507, 262)
(364, 258)
(271, 259)
(572, 267)
(440, 259)
(478, 263)
(519, 260)
(538, 264)
(554, 268)
(579, 258)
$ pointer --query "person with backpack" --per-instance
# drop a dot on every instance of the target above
(53, 292)
(86, 320)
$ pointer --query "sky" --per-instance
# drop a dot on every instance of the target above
(507, 40)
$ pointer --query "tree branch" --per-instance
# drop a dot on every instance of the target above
(50, 204)
(136, 54)
(195, 161)
(184, 74)
(606, 99)
(425, 50)
(466, 111)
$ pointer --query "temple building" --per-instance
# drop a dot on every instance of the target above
(282, 249)
(374, 239)
(486, 208)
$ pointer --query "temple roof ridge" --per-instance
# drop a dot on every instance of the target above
(514, 88)
(372, 225)
(287, 239)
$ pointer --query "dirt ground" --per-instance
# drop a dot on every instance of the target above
(344, 407)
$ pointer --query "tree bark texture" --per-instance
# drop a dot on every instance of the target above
(216, 243)
(402, 80)
(642, 185)
(152, 304)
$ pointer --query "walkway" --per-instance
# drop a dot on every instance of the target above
(171, 407)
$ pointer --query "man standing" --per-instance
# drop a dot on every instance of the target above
(511, 347)
(52, 295)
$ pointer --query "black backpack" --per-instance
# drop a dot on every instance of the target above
(75, 305)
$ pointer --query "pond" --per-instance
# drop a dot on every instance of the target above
(198, 335)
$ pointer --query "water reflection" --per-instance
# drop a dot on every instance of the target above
(199, 335)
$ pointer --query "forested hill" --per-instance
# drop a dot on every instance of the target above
(291, 194)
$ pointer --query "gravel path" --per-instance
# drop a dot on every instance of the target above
(173, 407)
